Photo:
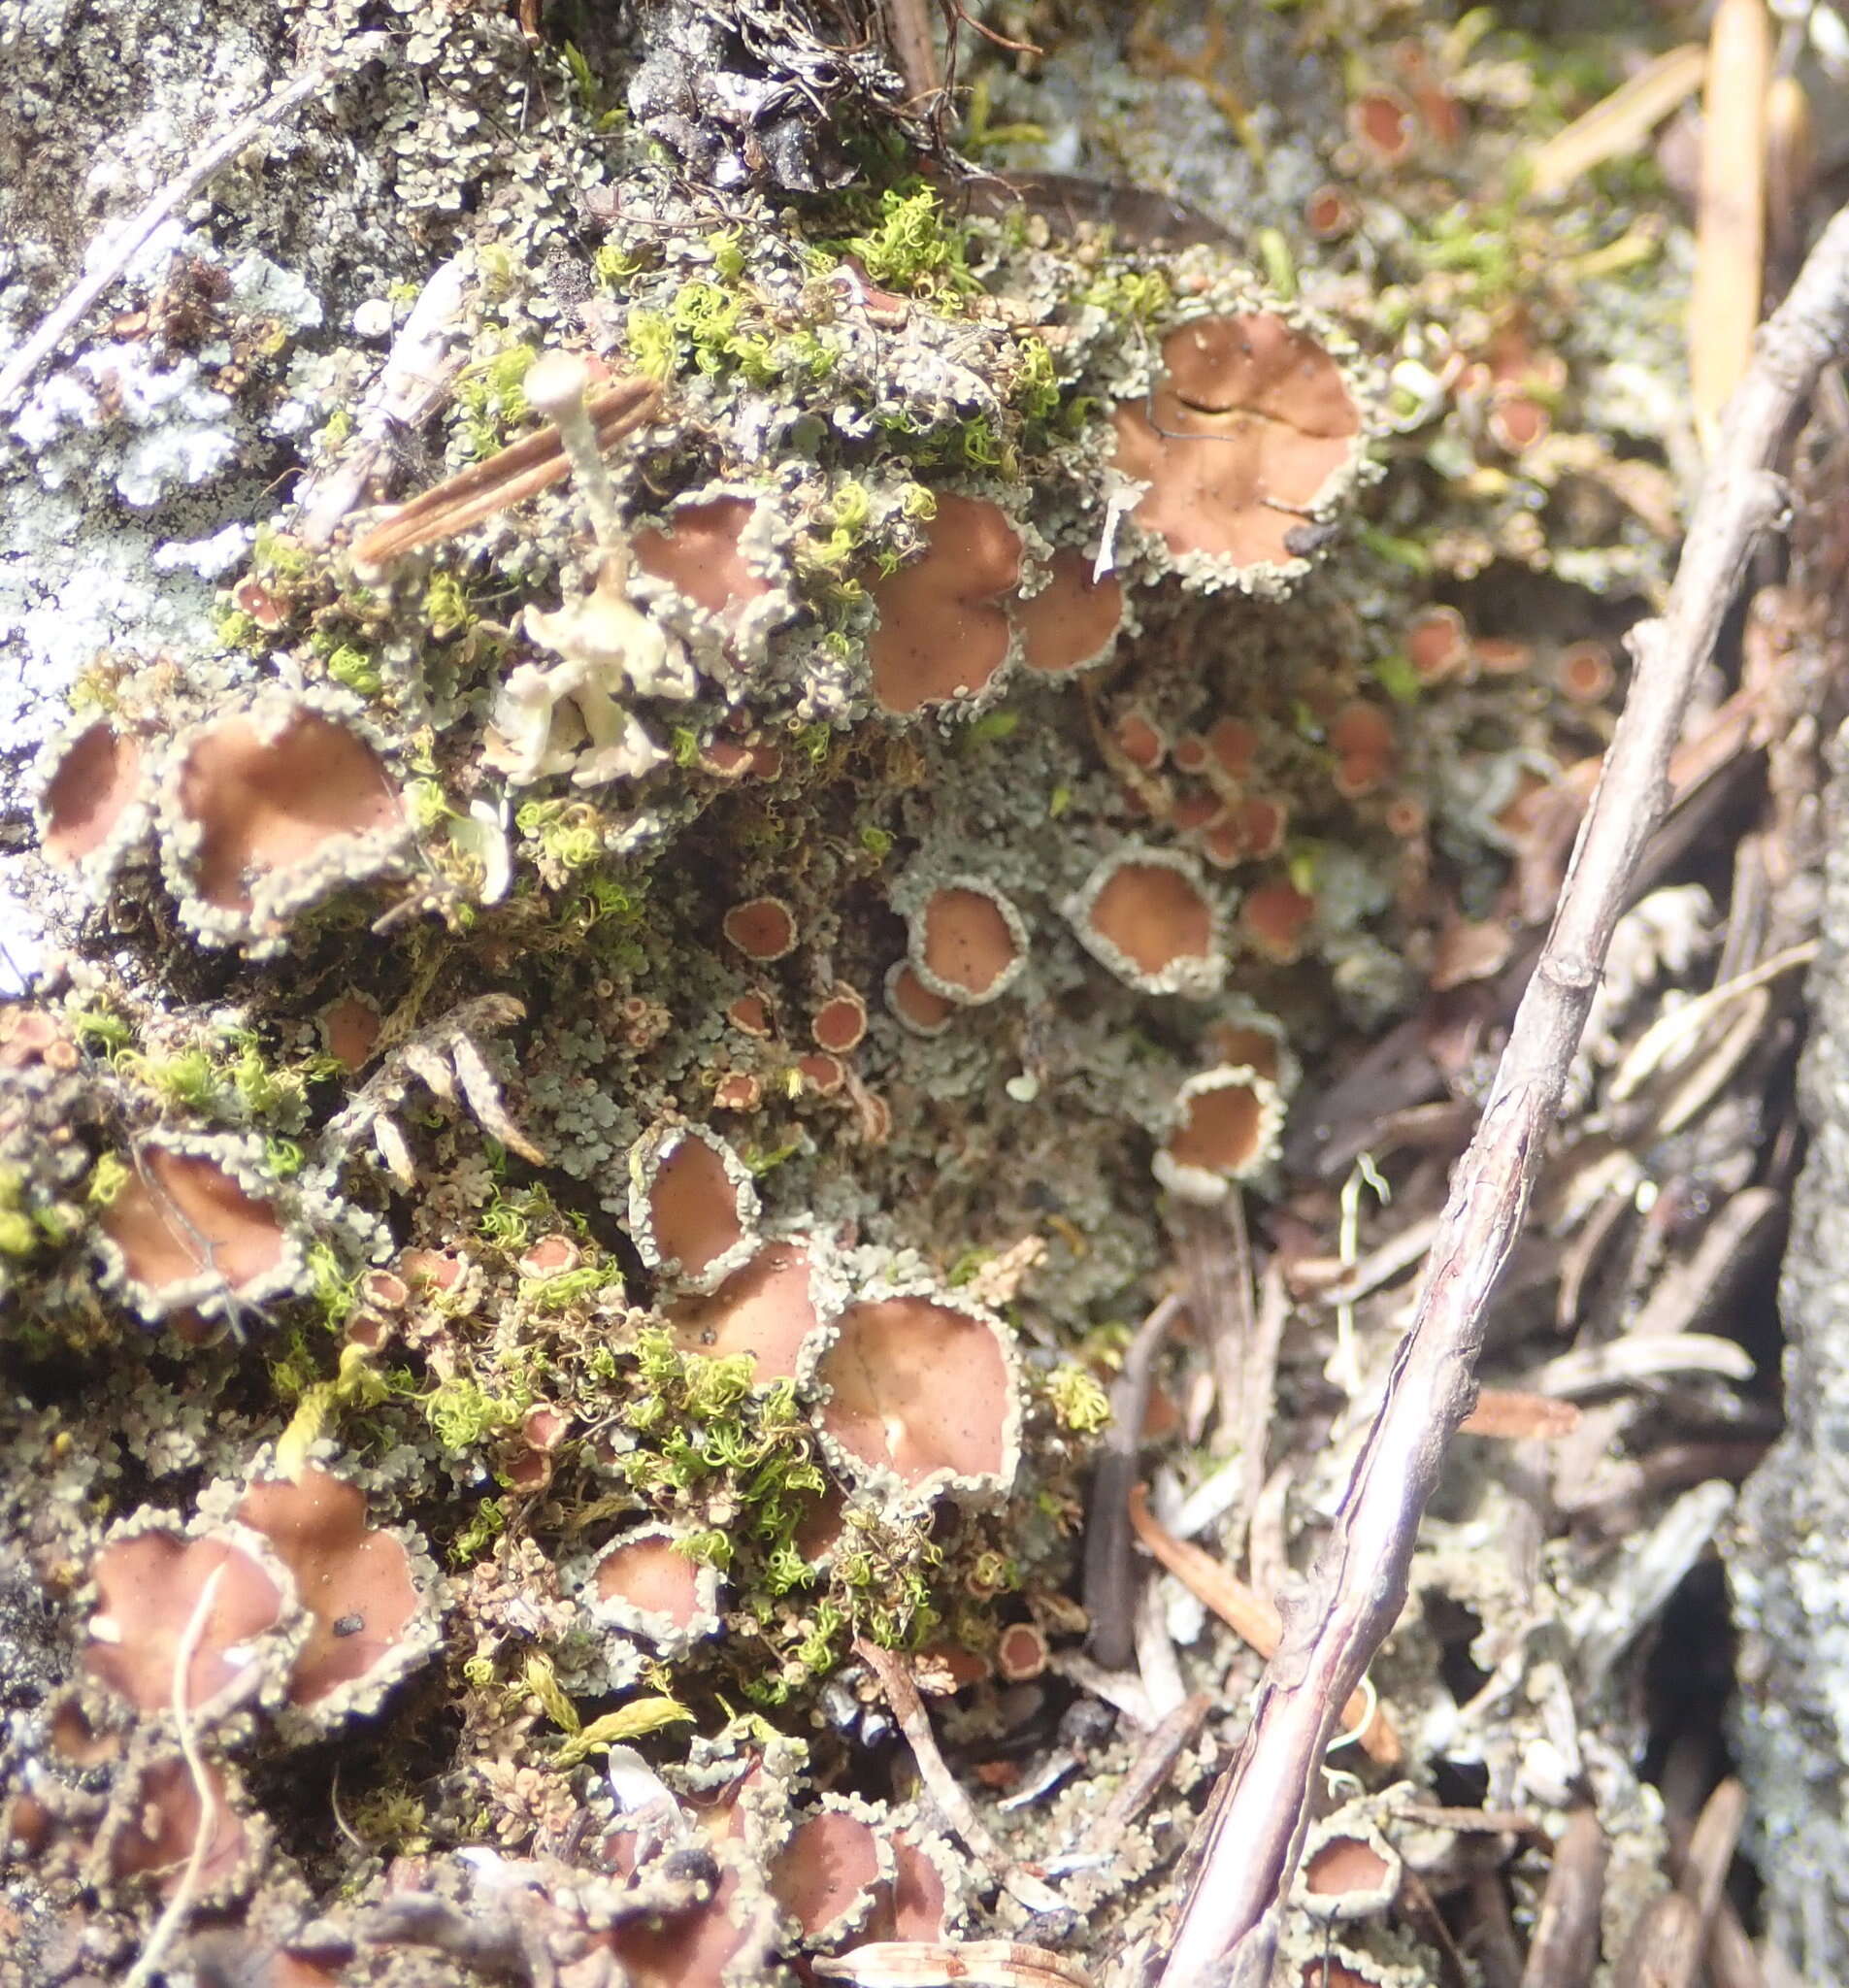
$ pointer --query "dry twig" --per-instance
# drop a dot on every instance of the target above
(511, 476)
(1255, 1829)
(1620, 125)
(945, 1790)
(1215, 1259)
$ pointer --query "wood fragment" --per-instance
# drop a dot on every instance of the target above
(1618, 1498)
(1730, 227)
(947, 1791)
(908, 28)
(1675, 1027)
(1665, 1947)
(1120, 1689)
(1214, 1256)
(1709, 1855)
(418, 371)
(1258, 1398)
(1620, 125)
(1565, 1949)
(1699, 1858)
(1253, 1620)
(1791, 169)
(1591, 1370)
(1253, 1832)
(1157, 1664)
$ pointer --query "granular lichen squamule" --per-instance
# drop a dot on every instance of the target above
(705, 954)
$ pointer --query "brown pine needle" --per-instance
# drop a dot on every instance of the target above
(529, 466)
(1513, 1417)
(1253, 1620)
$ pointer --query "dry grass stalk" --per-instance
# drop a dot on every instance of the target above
(1730, 231)
(187, 1889)
(1620, 125)
(1253, 1620)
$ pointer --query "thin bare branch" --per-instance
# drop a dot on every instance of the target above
(945, 1790)
(507, 477)
(1227, 1931)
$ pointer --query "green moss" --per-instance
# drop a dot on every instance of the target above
(913, 245)
(1280, 269)
(429, 804)
(18, 1233)
(588, 89)
(493, 401)
(567, 832)
(355, 668)
(1478, 242)
(1396, 676)
(573, 1287)
(462, 1414)
(279, 556)
(615, 266)
(108, 1178)
(446, 606)
(980, 133)
(652, 349)
(334, 1292)
(728, 253)
(1137, 295)
(1406, 553)
(190, 1079)
(990, 729)
(479, 1534)
(1079, 1402)
(1033, 390)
